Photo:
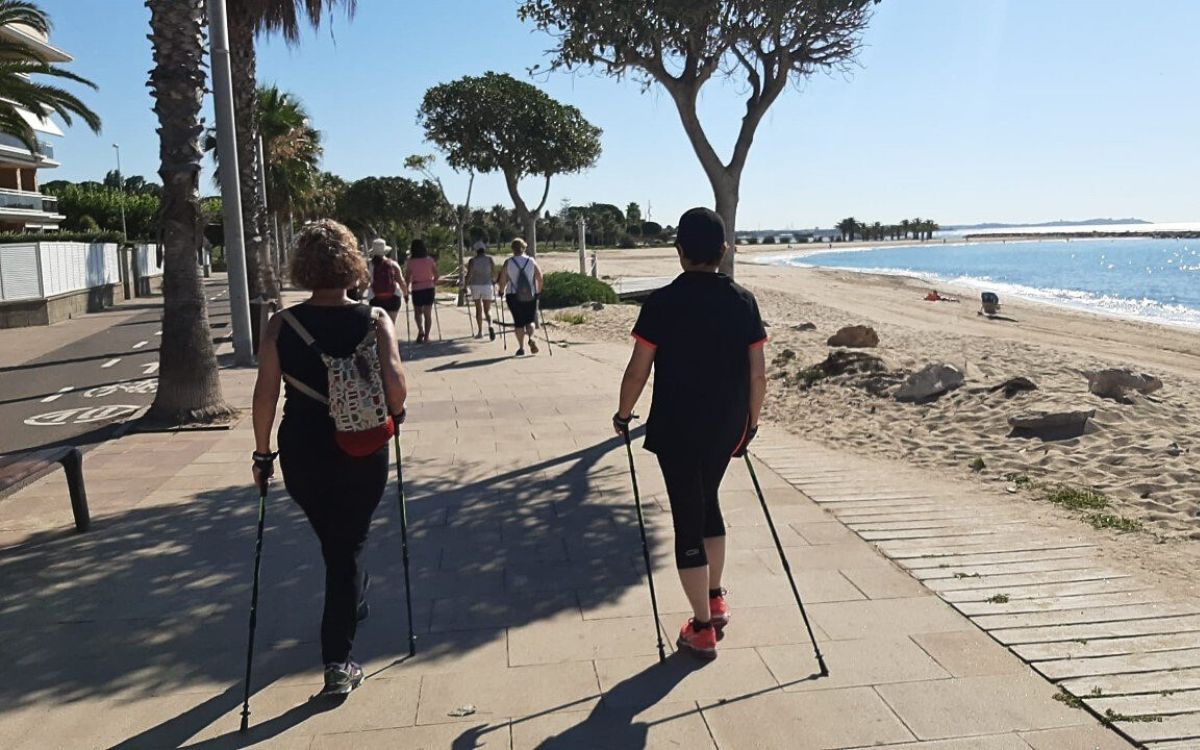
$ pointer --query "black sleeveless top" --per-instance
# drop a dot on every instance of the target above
(337, 331)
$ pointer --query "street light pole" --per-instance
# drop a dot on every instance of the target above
(121, 187)
(231, 199)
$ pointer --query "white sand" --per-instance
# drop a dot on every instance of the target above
(1127, 453)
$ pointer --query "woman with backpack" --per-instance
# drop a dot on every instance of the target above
(421, 273)
(521, 280)
(387, 280)
(345, 393)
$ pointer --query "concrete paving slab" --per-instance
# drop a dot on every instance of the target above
(678, 725)
(565, 637)
(1169, 728)
(1075, 738)
(882, 618)
(511, 692)
(979, 705)
(969, 653)
(480, 735)
(851, 664)
(800, 721)
(641, 681)
(880, 582)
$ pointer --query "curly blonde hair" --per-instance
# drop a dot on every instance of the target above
(327, 257)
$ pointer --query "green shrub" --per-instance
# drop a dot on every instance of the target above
(627, 242)
(21, 237)
(566, 289)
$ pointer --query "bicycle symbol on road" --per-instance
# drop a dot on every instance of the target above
(149, 385)
(82, 415)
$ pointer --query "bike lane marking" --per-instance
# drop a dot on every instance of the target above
(140, 344)
(57, 396)
(110, 363)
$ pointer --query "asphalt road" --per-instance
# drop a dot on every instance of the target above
(80, 393)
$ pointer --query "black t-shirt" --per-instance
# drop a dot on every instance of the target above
(337, 331)
(702, 327)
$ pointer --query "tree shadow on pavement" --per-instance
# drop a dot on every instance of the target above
(152, 604)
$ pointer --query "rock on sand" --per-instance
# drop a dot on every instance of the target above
(929, 383)
(855, 337)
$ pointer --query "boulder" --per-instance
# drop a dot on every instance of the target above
(855, 337)
(1055, 425)
(1117, 383)
(929, 383)
(841, 362)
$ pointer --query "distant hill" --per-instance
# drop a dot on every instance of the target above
(1059, 223)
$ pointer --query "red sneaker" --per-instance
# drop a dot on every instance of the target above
(701, 643)
(718, 611)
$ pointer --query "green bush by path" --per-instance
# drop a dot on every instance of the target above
(89, 237)
(566, 289)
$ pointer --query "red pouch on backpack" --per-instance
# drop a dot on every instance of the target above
(365, 442)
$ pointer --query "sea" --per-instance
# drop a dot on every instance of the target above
(1147, 279)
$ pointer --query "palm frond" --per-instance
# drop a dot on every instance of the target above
(288, 16)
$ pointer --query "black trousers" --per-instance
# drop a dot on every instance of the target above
(339, 494)
(693, 487)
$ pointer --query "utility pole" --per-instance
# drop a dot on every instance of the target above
(231, 199)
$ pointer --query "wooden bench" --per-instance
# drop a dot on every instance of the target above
(19, 470)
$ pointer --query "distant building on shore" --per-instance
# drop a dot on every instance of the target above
(22, 207)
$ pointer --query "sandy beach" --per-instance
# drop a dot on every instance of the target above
(1141, 455)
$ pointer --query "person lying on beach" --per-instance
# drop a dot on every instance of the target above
(935, 297)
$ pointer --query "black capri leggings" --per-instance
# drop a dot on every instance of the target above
(339, 494)
(692, 487)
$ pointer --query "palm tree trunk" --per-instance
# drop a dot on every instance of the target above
(244, 63)
(189, 386)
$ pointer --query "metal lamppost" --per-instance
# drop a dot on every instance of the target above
(121, 187)
(231, 198)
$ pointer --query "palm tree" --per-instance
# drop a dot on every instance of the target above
(248, 18)
(189, 388)
(291, 150)
(19, 63)
(848, 227)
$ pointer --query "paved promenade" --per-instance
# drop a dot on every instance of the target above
(529, 595)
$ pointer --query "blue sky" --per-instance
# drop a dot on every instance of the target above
(962, 110)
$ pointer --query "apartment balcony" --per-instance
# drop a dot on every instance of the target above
(30, 208)
(11, 146)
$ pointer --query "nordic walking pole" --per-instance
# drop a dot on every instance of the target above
(637, 502)
(500, 302)
(262, 514)
(407, 321)
(437, 317)
(545, 330)
(412, 638)
(786, 568)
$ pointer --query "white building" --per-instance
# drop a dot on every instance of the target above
(22, 207)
